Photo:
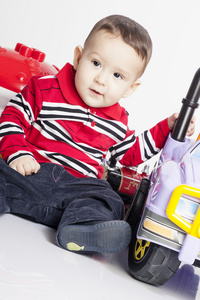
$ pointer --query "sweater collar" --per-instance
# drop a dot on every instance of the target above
(67, 85)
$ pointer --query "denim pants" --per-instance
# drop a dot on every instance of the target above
(56, 198)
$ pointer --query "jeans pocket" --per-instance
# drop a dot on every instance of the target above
(57, 172)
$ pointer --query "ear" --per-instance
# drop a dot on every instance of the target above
(77, 56)
(132, 89)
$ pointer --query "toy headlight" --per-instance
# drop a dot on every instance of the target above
(183, 209)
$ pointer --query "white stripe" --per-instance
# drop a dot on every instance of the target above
(125, 145)
(12, 156)
(47, 77)
(5, 131)
(152, 142)
(141, 142)
(144, 146)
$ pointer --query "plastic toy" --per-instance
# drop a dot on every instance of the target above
(165, 212)
(19, 65)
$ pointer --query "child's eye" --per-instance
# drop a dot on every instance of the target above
(96, 63)
(117, 75)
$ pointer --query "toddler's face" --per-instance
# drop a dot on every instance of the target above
(107, 70)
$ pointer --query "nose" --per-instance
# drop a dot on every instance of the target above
(101, 77)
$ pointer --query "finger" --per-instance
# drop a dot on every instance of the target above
(13, 166)
(38, 167)
(32, 167)
(35, 167)
(27, 169)
(190, 131)
(176, 116)
(17, 168)
(20, 169)
(193, 120)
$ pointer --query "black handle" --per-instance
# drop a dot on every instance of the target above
(190, 103)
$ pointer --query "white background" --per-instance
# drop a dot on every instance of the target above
(31, 265)
(56, 27)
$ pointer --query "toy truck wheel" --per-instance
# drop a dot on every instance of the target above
(151, 263)
(196, 263)
(139, 199)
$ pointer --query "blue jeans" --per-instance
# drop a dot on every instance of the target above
(56, 198)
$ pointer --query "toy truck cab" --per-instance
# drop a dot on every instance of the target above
(171, 215)
(168, 232)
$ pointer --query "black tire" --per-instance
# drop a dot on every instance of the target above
(151, 263)
(196, 263)
(139, 198)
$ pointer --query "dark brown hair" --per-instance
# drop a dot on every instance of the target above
(131, 32)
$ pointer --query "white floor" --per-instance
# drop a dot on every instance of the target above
(32, 267)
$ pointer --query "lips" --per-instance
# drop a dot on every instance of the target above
(96, 92)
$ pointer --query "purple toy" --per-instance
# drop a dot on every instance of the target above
(165, 214)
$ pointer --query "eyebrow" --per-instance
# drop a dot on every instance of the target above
(123, 72)
(94, 53)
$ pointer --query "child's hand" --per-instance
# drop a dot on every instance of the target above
(172, 119)
(25, 165)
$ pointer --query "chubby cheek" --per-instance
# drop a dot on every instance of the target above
(79, 83)
(83, 77)
(114, 95)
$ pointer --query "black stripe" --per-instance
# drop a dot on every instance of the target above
(146, 155)
(122, 144)
(119, 153)
(112, 123)
(73, 160)
(30, 91)
(51, 88)
(149, 144)
(10, 133)
(60, 117)
(60, 108)
(22, 105)
(19, 155)
(10, 126)
(107, 129)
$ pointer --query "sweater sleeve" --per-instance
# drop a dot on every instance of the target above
(16, 120)
(141, 147)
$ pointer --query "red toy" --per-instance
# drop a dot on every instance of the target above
(19, 65)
